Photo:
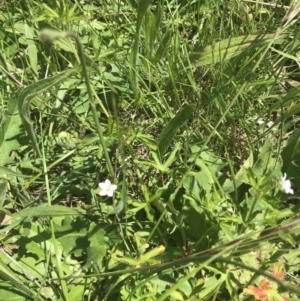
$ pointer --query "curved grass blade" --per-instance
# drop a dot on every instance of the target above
(167, 135)
(5, 172)
(32, 91)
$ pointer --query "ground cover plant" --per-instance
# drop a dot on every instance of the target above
(149, 150)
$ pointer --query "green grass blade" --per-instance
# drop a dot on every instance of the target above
(167, 135)
(55, 210)
(142, 8)
(5, 172)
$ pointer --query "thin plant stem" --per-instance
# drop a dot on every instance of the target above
(53, 238)
(50, 35)
(90, 94)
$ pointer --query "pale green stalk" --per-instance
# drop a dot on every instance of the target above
(58, 259)
(90, 93)
(52, 35)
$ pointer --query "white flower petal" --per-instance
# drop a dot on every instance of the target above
(107, 188)
(110, 193)
(260, 121)
(113, 187)
(102, 185)
(286, 184)
(103, 192)
(107, 182)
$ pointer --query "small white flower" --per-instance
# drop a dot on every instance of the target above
(107, 188)
(260, 121)
(286, 185)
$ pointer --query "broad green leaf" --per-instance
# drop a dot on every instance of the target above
(117, 209)
(67, 140)
(38, 243)
(265, 160)
(97, 249)
(289, 239)
(157, 160)
(122, 203)
(150, 212)
(172, 157)
(65, 44)
(291, 158)
(95, 254)
(81, 106)
(72, 235)
(10, 293)
(155, 164)
(152, 253)
(29, 230)
(211, 285)
(167, 135)
(204, 177)
(96, 235)
(16, 283)
(192, 187)
(148, 140)
(292, 111)
(10, 130)
(194, 221)
(177, 296)
(77, 292)
(106, 53)
(232, 287)
(241, 176)
(32, 91)
(28, 265)
(160, 190)
(211, 159)
(228, 48)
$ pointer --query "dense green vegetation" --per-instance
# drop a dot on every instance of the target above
(149, 150)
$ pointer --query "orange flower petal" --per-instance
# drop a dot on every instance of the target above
(257, 292)
(278, 271)
(264, 284)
